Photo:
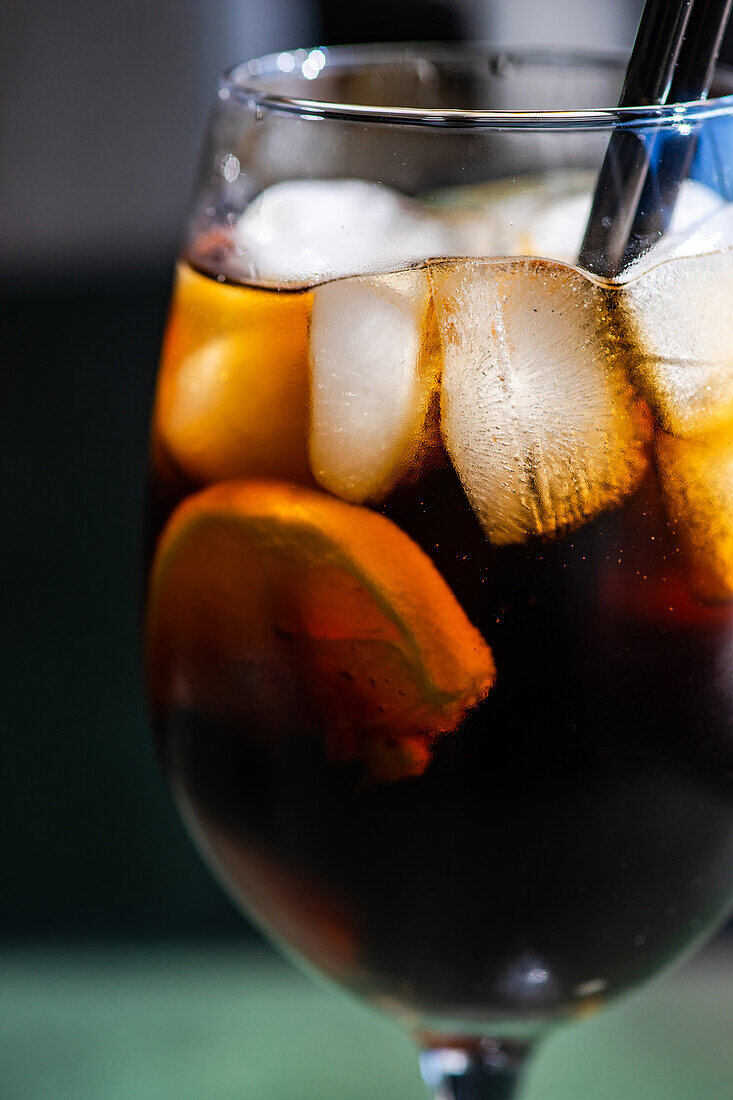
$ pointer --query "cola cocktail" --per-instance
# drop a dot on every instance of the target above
(439, 618)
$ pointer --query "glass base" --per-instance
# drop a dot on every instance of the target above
(477, 1069)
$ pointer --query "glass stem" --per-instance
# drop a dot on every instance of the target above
(474, 1069)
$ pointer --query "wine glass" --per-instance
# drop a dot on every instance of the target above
(439, 626)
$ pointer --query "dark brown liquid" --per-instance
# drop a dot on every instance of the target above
(571, 837)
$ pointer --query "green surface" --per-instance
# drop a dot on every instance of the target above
(237, 1025)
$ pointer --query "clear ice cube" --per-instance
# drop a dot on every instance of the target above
(538, 417)
(518, 216)
(546, 215)
(678, 318)
(302, 232)
(370, 381)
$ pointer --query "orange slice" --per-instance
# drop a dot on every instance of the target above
(233, 391)
(280, 607)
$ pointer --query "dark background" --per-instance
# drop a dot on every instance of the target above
(103, 109)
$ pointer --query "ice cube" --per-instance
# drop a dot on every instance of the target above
(487, 219)
(678, 317)
(307, 231)
(541, 424)
(519, 216)
(696, 204)
(547, 214)
(556, 231)
(371, 382)
(557, 226)
(696, 476)
(702, 222)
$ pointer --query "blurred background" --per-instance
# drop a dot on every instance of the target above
(103, 107)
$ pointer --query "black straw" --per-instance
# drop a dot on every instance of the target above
(673, 61)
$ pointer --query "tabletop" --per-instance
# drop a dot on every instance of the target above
(231, 1023)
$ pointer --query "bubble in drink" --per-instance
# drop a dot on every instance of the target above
(543, 428)
(371, 381)
(696, 476)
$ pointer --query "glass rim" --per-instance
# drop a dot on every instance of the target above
(243, 82)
